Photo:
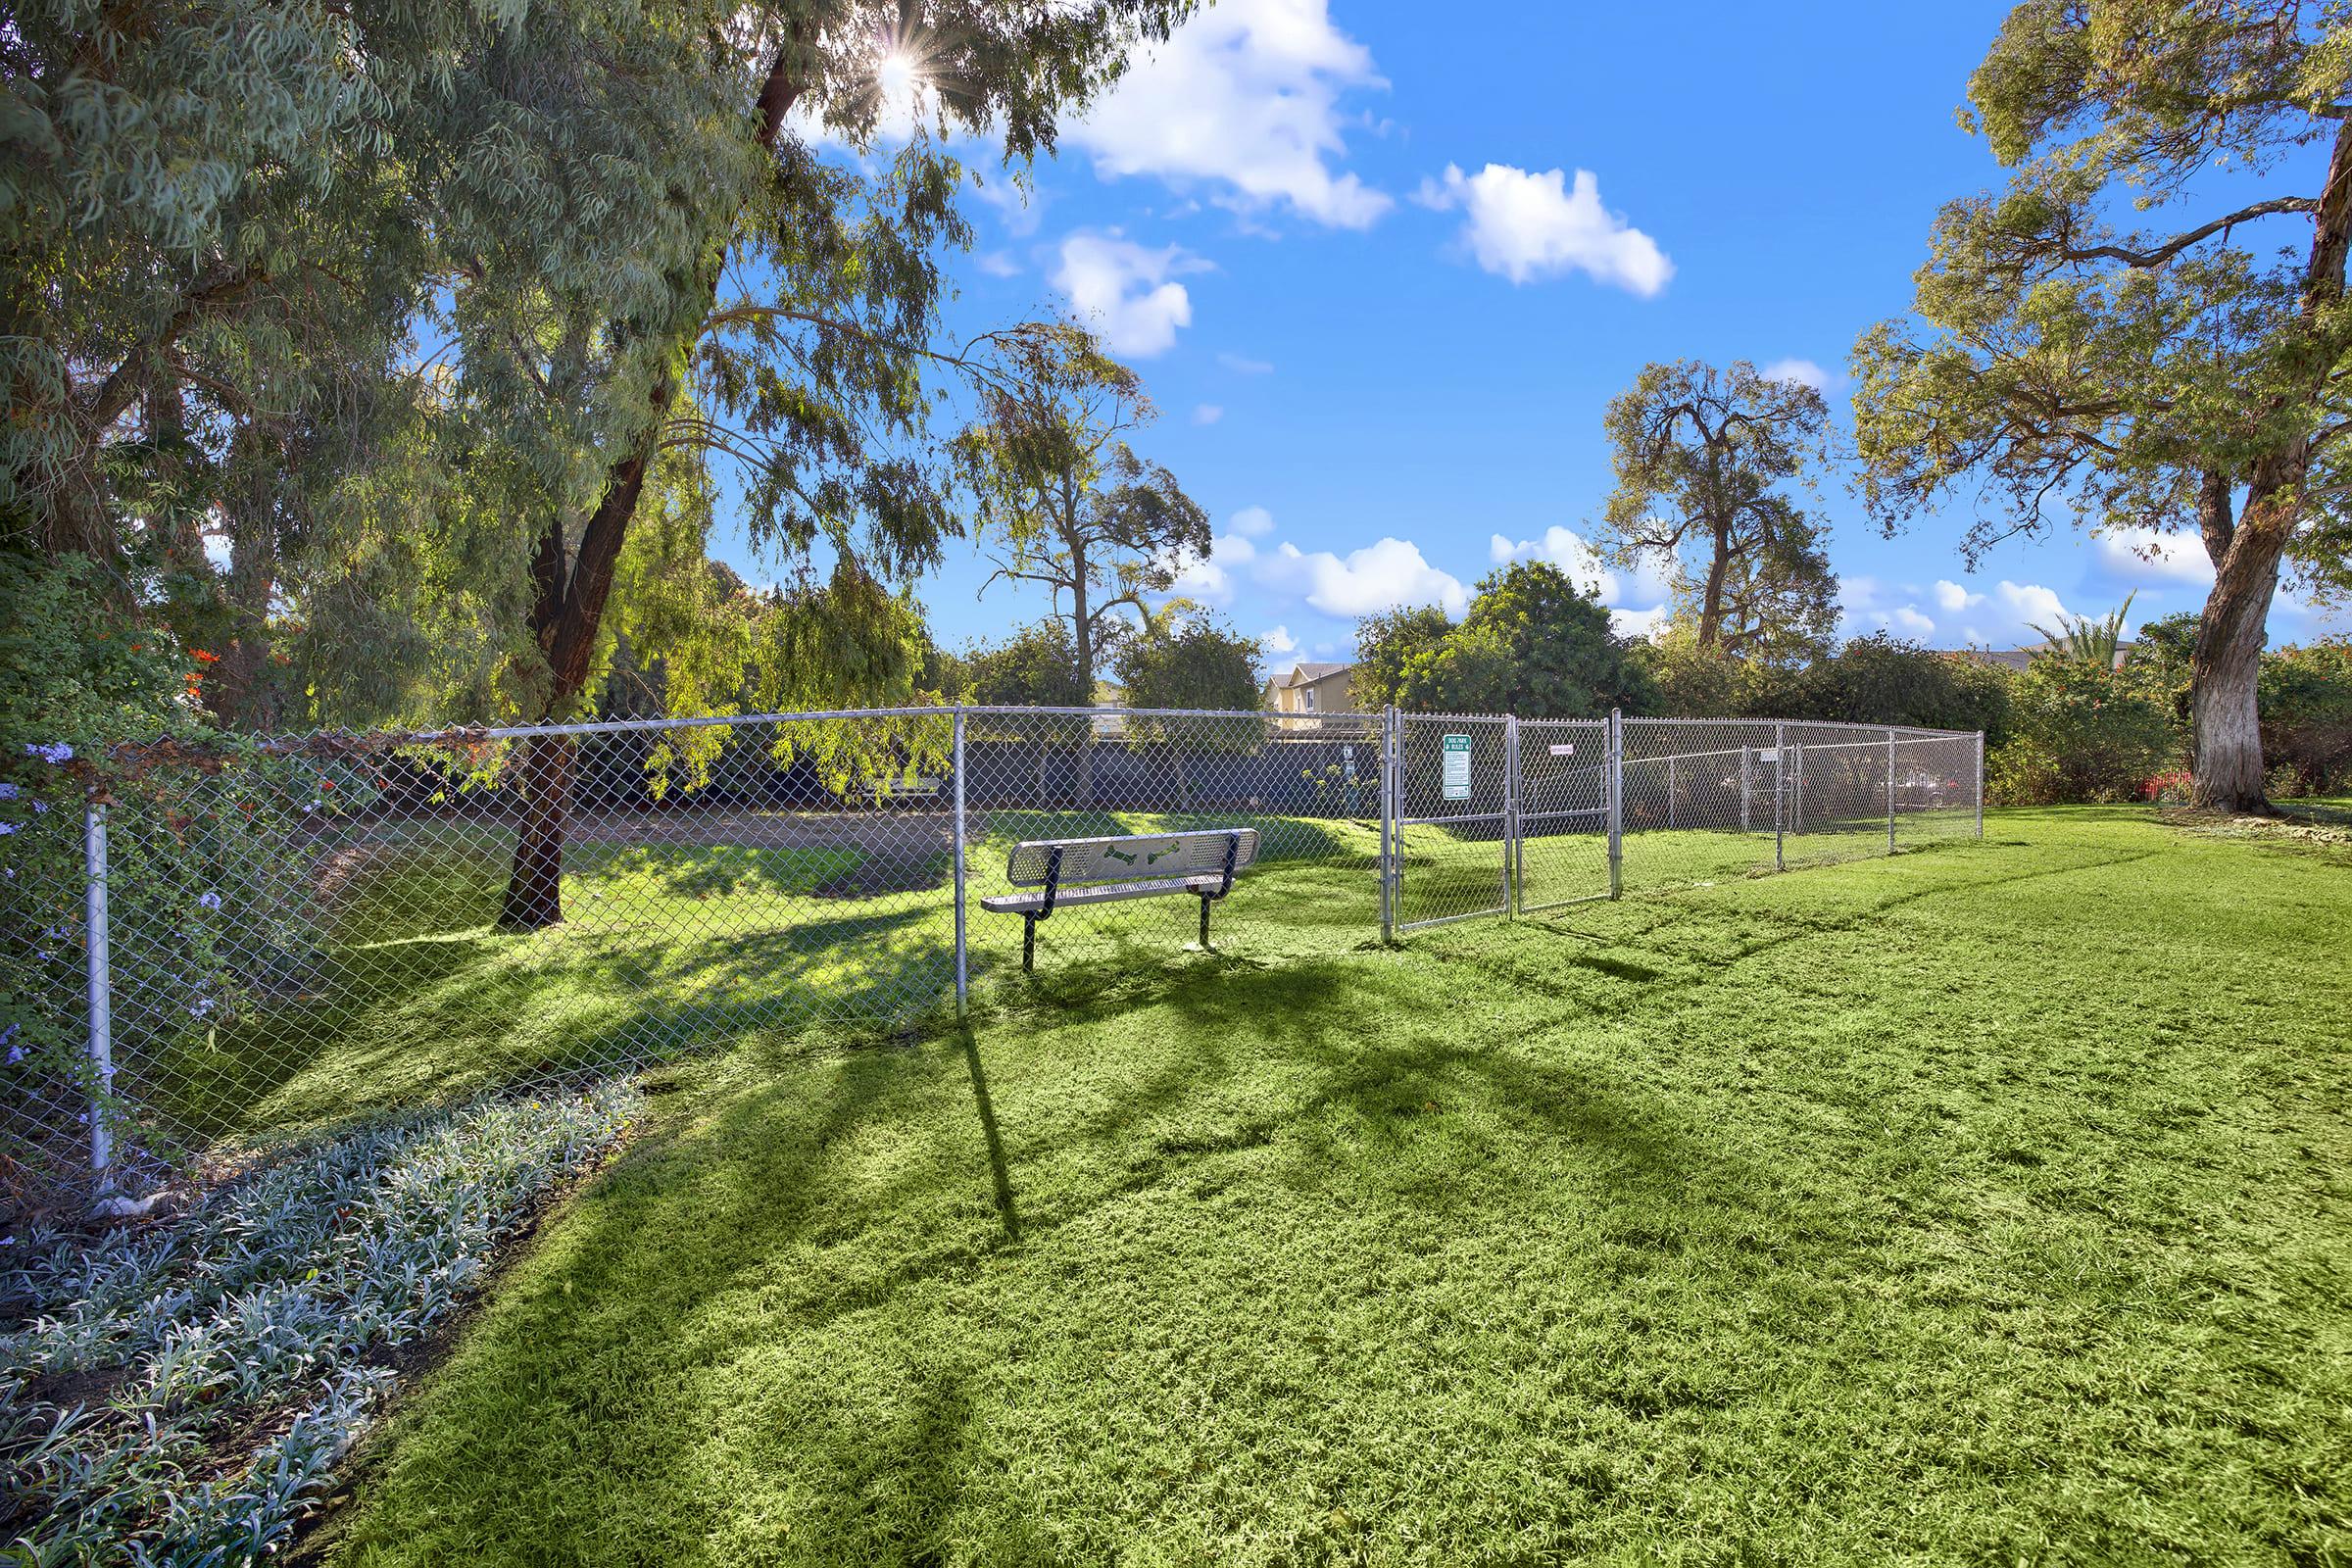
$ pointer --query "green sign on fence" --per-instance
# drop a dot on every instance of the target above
(1457, 768)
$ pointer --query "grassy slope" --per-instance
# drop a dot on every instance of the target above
(1988, 1204)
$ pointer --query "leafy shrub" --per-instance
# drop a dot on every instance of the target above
(2305, 696)
(242, 1339)
(1533, 644)
(2078, 732)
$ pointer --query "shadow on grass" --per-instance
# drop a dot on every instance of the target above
(898, 1199)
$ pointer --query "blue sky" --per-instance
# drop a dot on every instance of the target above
(1383, 271)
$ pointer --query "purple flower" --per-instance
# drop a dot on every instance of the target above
(54, 752)
(9, 792)
(7, 828)
(211, 901)
(15, 1054)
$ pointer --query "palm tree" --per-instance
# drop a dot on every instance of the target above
(2084, 641)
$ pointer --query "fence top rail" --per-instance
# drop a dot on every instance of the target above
(331, 741)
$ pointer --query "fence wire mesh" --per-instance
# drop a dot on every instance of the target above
(300, 929)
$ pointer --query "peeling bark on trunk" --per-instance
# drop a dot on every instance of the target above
(2227, 660)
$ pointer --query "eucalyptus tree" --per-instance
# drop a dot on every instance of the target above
(1065, 502)
(1701, 456)
(2146, 328)
(741, 262)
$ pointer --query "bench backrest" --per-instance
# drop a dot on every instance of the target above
(1133, 857)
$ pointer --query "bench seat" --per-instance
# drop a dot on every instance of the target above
(1113, 893)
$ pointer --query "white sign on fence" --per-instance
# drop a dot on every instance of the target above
(1564, 749)
(1457, 768)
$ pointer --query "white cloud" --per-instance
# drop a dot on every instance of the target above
(2150, 553)
(1250, 523)
(1209, 412)
(1952, 599)
(1647, 583)
(2003, 616)
(1127, 291)
(1242, 364)
(1207, 577)
(1379, 576)
(1278, 641)
(996, 264)
(2029, 604)
(1019, 204)
(1802, 371)
(1527, 225)
(1637, 622)
(1244, 97)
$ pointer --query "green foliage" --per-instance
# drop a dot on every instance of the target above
(2078, 732)
(74, 667)
(1533, 644)
(1196, 662)
(2307, 716)
(2103, 368)
(1032, 668)
(1386, 643)
(1701, 457)
(1877, 679)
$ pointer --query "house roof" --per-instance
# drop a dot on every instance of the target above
(1302, 674)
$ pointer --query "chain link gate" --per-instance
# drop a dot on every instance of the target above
(1565, 852)
(1451, 828)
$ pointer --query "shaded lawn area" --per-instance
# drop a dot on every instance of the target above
(667, 949)
(1988, 1204)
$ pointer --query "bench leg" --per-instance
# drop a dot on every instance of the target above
(1028, 943)
(1205, 925)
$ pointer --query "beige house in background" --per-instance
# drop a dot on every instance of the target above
(1312, 689)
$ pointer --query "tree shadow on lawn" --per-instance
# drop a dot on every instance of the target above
(905, 1183)
(433, 1018)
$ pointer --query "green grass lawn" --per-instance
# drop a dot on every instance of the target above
(1983, 1205)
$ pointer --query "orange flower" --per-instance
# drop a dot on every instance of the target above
(204, 658)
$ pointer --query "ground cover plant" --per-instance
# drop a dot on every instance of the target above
(176, 1392)
(1913, 1210)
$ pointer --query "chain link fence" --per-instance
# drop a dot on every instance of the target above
(220, 944)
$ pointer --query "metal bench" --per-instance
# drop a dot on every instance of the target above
(1143, 865)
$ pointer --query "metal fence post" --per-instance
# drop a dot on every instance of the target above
(1670, 811)
(1616, 804)
(1890, 790)
(1747, 783)
(963, 988)
(1512, 868)
(1980, 783)
(1779, 796)
(1388, 823)
(100, 982)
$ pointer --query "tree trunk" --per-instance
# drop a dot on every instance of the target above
(2227, 665)
(1082, 646)
(1710, 605)
(2227, 660)
(568, 601)
(240, 691)
(535, 883)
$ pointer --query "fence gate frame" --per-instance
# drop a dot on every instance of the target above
(1395, 805)
(1785, 791)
